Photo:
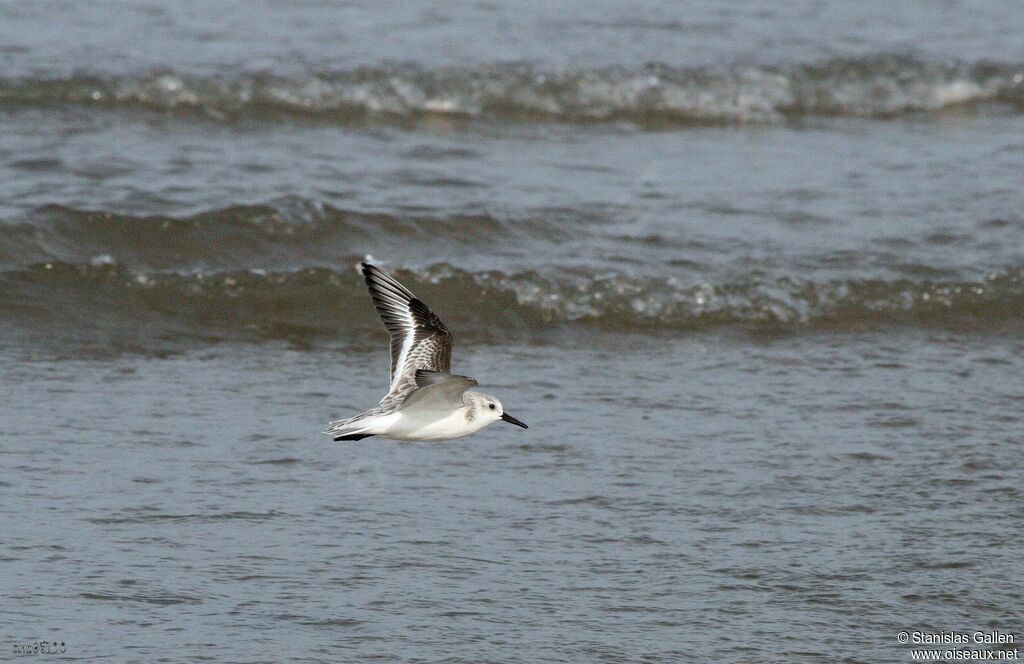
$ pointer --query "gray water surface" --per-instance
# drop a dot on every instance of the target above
(715, 501)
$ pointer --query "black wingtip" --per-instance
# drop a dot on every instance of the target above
(354, 436)
(375, 276)
(371, 274)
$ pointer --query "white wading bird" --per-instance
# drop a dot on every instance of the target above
(426, 401)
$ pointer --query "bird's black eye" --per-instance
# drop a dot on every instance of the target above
(491, 406)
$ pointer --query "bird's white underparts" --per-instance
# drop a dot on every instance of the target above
(425, 401)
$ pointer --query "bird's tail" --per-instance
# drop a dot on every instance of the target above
(354, 428)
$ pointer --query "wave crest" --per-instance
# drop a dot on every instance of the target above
(879, 86)
(101, 301)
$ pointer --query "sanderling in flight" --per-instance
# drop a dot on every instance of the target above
(426, 401)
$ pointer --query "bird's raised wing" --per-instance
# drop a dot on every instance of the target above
(419, 340)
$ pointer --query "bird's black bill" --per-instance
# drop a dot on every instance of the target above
(511, 420)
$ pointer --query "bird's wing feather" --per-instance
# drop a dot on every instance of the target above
(419, 340)
(386, 406)
(442, 389)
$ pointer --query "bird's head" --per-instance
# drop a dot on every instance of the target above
(488, 409)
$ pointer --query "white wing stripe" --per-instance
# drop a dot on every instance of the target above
(407, 343)
(419, 340)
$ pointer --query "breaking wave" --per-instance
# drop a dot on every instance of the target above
(658, 94)
(107, 303)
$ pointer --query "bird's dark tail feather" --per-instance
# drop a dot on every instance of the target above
(355, 436)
